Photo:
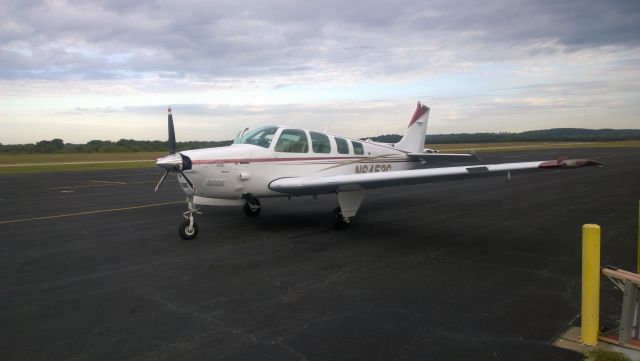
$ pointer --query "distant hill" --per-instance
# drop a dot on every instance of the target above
(131, 145)
(556, 134)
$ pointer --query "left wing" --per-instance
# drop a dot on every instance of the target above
(350, 182)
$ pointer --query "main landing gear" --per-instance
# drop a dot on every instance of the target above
(339, 221)
(251, 206)
(349, 202)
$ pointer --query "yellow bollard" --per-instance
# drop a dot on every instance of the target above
(590, 283)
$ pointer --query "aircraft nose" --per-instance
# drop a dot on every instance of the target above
(170, 162)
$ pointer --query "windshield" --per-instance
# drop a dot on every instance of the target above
(259, 136)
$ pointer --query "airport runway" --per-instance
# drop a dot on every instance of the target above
(92, 268)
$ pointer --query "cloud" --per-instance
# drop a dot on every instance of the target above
(222, 65)
(204, 40)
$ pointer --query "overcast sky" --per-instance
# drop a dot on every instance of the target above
(82, 70)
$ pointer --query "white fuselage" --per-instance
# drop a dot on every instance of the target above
(239, 169)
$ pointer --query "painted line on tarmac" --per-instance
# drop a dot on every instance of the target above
(89, 212)
(154, 174)
(105, 184)
(73, 163)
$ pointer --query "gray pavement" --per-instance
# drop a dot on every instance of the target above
(467, 270)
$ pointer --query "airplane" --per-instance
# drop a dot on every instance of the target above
(282, 161)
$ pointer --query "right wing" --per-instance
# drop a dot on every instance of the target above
(359, 181)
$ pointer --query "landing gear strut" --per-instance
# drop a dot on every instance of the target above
(338, 221)
(252, 206)
(189, 228)
(349, 202)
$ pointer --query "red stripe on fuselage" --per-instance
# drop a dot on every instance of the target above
(297, 159)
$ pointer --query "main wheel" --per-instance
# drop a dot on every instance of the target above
(250, 211)
(187, 232)
(338, 221)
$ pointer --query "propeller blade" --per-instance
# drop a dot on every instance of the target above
(161, 180)
(174, 162)
(186, 178)
(172, 134)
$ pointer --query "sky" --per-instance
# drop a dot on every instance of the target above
(83, 70)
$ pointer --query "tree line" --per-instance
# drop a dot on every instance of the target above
(105, 146)
(554, 135)
(130, 145)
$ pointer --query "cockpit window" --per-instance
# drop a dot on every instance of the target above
(260, 136)
(292, 141)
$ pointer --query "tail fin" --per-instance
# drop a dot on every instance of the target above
(413, 139)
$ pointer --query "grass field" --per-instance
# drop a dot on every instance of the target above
(523, 146)
(77, 157)
(29, 163)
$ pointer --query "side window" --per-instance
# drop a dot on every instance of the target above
(357, 147)
(320, 143)
(292, 141)
(343, 147)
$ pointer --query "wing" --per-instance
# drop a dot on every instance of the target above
(319, 185)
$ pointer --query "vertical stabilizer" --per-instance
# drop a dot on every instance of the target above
(413, 139)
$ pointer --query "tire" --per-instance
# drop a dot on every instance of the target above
(186, 233)
(338, 221)
(250, 212)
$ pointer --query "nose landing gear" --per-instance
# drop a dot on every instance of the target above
(189, 228)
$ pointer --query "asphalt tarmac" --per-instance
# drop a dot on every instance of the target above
(92, 268)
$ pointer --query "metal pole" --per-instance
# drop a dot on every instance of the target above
(638, 268)
(629, 302)
(590, 283)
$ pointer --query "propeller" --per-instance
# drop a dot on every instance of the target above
(173, 162)
(172, 134)
(161, 180)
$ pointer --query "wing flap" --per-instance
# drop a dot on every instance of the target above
(348, 182)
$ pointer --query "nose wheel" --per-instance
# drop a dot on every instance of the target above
(189, 228)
